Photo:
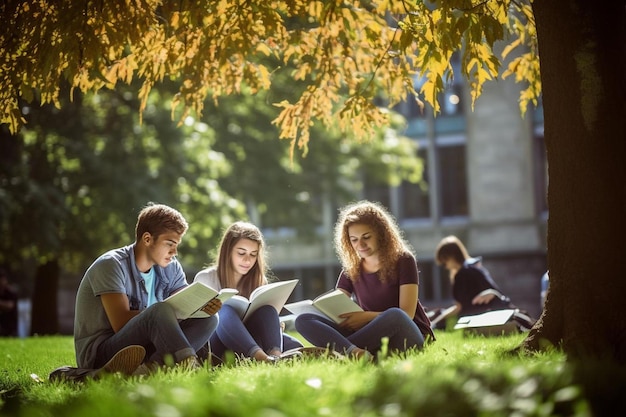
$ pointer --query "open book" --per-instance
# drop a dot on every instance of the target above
(330, 304)
(189, 301)
(274, 294)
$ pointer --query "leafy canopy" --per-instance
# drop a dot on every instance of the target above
(345, 53)
(73, 179)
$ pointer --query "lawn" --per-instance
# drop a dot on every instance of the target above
(458, 375)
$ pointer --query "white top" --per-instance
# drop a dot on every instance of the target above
(209, 277)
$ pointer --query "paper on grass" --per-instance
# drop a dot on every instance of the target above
(490, 318)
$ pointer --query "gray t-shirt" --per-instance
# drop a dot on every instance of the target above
(209, 277)
(115, 272)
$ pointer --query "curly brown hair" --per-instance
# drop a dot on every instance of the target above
(391, 242)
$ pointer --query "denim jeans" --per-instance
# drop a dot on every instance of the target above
(260, 331)
(290, 342)
(159, 331)
(393, 323)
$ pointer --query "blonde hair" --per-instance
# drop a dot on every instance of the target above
(256, 276)
(391, 243)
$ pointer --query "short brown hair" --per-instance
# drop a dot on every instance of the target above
(451, 247)
(157, 219)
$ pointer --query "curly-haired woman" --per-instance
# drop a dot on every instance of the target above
(380, 272)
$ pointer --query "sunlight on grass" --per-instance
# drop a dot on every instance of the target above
(457, 375)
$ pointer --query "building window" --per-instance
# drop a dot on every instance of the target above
(448, 188)
(434, 284)
(452, 180)
(441, 139)
(375, 191)
(415, 198)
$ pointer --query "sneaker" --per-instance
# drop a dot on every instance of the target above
(69, 373)
(190, 363)
(283, 357)
(289, 355)
(362, 355)
(147, 369)
(125, 361)
(318, 352)
(271, 359)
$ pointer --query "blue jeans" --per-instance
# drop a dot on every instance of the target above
(159, 331)
(261, 331)
(290, 342)
(393, 323)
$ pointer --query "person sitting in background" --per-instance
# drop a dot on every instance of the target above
(473, 288)
(8, 306)
(380, 270)
(119, 308)
(241, 264)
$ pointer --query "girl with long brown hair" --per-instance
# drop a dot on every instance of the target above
(241, 264)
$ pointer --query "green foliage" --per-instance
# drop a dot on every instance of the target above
(80, 175)
(345, 52)
(457, 375)
(76, 177)
(71, 190)
(285, 189)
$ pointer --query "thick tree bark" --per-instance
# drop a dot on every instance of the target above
(582, 49)
(45, 317)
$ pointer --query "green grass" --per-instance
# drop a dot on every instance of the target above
(456, 376)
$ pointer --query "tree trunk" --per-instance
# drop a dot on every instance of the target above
(582, 49)
(45, 316)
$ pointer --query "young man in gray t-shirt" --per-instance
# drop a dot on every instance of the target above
(120, 319)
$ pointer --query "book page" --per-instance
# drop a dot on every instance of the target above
(336, 303)
(227, 293)
(224, 295)
(304, 306)
(190, 299)
(274, 294)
